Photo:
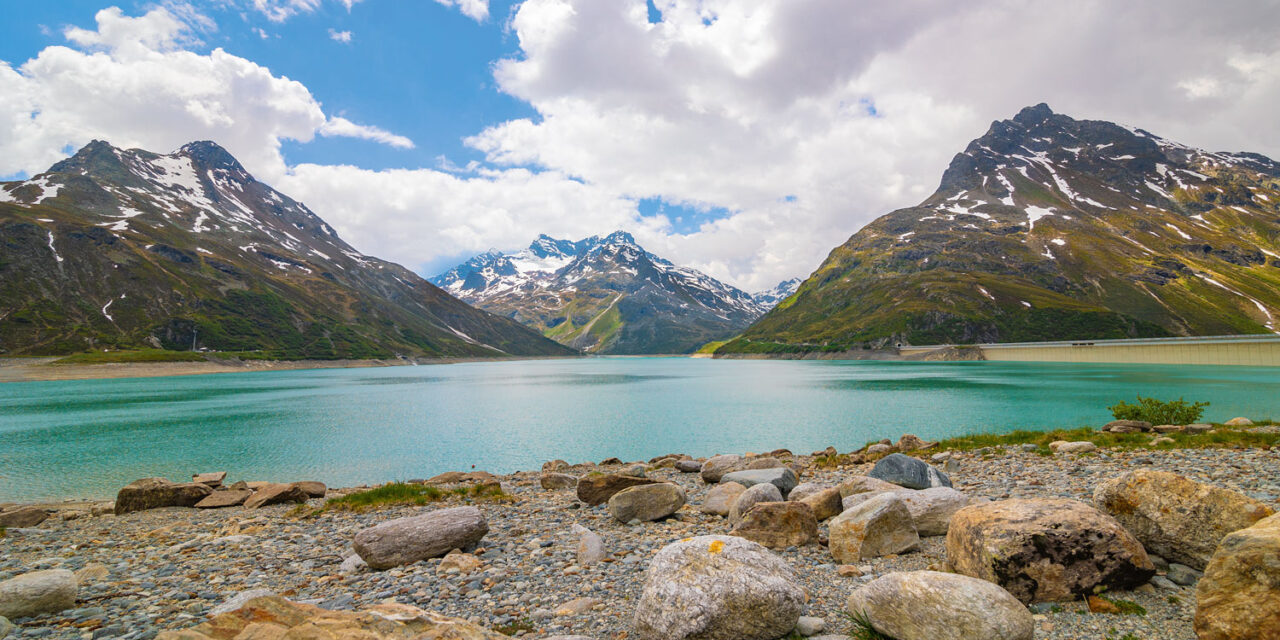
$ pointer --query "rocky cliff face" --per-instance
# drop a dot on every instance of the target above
(1048, 228)
(117, 248)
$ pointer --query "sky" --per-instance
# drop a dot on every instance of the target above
(745, 138)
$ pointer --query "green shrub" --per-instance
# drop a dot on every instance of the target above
(1159, 412)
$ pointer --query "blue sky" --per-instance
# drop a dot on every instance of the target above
(745, 139)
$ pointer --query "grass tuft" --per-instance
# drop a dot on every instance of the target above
(403, 494)
(513, 628)
(1222, 437)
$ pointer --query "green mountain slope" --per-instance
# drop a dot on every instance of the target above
(1051, 228)
(121, 249)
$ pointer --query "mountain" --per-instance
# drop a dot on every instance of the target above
(120, 248)
(603, 295)
(1047, 228)
(769, 298)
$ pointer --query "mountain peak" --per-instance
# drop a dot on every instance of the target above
(1033, 115)
(619, 237)
(211, 155)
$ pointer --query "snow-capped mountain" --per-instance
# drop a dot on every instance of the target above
(769, 298)
(1046, 228)
(128, 248)
(603, 295)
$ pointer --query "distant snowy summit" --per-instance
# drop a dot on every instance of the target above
(605, 295)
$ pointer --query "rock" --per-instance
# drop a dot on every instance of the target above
(810, 626)
(931, 509)
(1239, 595)
(1100, 605)
(590, 546)
(1177, 518)
(312, 488)
(464, 563)
(577, 606)
(1155, 442)
(879, 526)
(878, 448)
(274, 618)
(154, 493)
(825, 503)
(22, 517)
(750, 498)
(908, 472)
(1126, 426)
(5, 627)
(352, 564)
(929, 605)
(92, 573)
(766, 462)
(804, 489)
(597, 488)
(646, 503)
(1239, 422)
(781, 477)
(1199, 428)
(555, 466)
(720, 498)
(234, 603)
(865, 484)
(688, 466)
(716, 466)
(1044, 550)
(635, 471)
(909, 442)
(224, 498)
(448, 477)
(1168, 428)
(609, 461)
(848, 571)
(38, 592)
(408, 540)
(1082, 446)
(778, 525)
(717, 588)
(275, 494)
(1183, 575)
(554, 481)
(212, 480)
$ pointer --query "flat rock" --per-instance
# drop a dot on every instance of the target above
(431, 535)
(224, 498)
(1063, 446)
(1045, 550)
(1239, 596)
(720, 498)
(213, 479)
(929, 605)
(779, 525)
(716, 466)
(880, 526)
(908, 472)
(22, 517)
(38, 592)
(552, 481)
(750, 498)
(931, 509)
(154, 493)
(781, 477)
(1126, 426)
(239, 600)
(1177, 518)
(597, 488)
(646, 502)
(866, 484)
(312, 488)
(688, 466)
(825, 503)
(275, 493)
(717, 588)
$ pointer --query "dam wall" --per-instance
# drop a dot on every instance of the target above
(1250, 350)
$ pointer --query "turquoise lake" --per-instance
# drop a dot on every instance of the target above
(87, 438)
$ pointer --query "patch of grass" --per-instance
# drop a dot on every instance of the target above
(1127, 607)
(3, 532)
(513, 628)
(860, 627)
(711, 347)
(1173, 600)
(1220, 438)
(141, 355)
(830, 462)
(401, 494)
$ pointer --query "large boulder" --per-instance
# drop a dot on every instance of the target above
(931, 509)
(716, 466)
(646, 502)
(313, 488)
(1044, 550)
(154, 493)
(720, 498)
(825, 503)
(273, 617)
(408, 540)
(753, 496)
(781, 477)
(717, 588)
(764, 462)
(276, 493)
(1239, 596)
(805, 489)
(928, 605)
(597, 488)
(224, 498)
(908, 472)
(1174, 517)
(1127, 426)
(880, 526)
(22, 517)
(39, 592)
(778, 525)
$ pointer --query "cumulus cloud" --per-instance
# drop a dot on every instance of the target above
(340, 36)
(477, 10)
(136, 86)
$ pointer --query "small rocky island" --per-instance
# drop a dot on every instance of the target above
(905, 540)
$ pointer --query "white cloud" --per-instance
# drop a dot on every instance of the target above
(340, 36)
(477, 10)
(282, 10)
(138, 89)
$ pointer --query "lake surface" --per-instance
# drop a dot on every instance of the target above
(87, 438)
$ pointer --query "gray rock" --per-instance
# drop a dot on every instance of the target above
(879, 526)
(408, 540)
(646, 502)
(224, 498)
(720, 498)
(688, 466)
(590, 546)
(751, 497)
(929, 605)
(805, 489)
(879, 448)
(552, 481)
(931, 509)
(717, 588)
(239, 600)
(1161, 582)
(352, 564)
(781, 477)
(38, 592)
(634, 471)
(154, 493)
(1127, 426)
(810, 626)
(1183, 575)
(22, 517)
(909, 472)
(716, 466)
(766, 462)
